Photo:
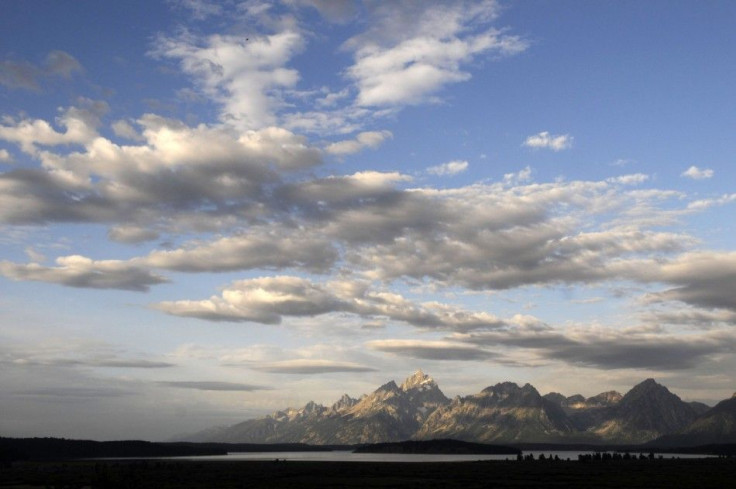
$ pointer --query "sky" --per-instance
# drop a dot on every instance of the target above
(210, 211)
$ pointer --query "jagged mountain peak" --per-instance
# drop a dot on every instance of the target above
(648, 389)
(389, 386)
(311, 406)
(503, 412)
(344, 402)
(418, 380)
(609, 396)
(510, 388)
(556, 397)
(502, 387)
(648, 384)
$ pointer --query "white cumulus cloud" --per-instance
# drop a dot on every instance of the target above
(697, 173)
(368, 139)
(450, 168)
(545, 140)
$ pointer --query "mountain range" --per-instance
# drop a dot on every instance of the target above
(503, 413)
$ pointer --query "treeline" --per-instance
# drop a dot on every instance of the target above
(61, 448)
(453, 447)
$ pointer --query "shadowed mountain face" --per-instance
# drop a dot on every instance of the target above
(503, 413)
(647, 411)
(390, 413)
(717, 424)
(577, 402)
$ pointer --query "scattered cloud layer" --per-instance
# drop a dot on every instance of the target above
(612, 349)
(266, 191)
(412, 52)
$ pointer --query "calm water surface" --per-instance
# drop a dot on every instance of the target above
(348, 456)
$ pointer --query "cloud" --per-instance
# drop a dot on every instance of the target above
(696, 173)
(70, 352)
(262, 300)
(690, 316)
(704, 279)
(268, 248)
(82, 272)
(70, 392)
(5, 156)
(131, 234)
(180, 173)
(631, 179)
(80, 124)
(412, 52)
(703, 204)
(668, 353)
(199, 9)
(123, 129)
(545, 140)
(339, 11)
(62, 64)
(612, 349)
(450, 168)
(310, 367)
(267, 300)
(27, 76)
(431, 349)
(213, 386)
(246, 76)
(499, 237)
(371, 139)
(145, 364)
(483, 236)
(102, 362)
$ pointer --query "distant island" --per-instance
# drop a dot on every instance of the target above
(445, 447)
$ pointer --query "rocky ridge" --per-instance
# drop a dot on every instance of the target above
(503, 413)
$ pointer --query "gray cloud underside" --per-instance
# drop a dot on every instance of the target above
(28, 76)
(246, 182)
(614, 349)
(77, 271)
(247, 186)
(311, 367)
(267, 299)
(80, 393)
(71, 355)
(144, 364)
(700, 318)
(482, 237)
(212, 386)
(705, 279)
(431, 350)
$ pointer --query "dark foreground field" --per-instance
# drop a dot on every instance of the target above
(702, 473)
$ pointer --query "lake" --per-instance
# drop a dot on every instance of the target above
(348, 456)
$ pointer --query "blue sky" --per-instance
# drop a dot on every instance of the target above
(210, 211)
